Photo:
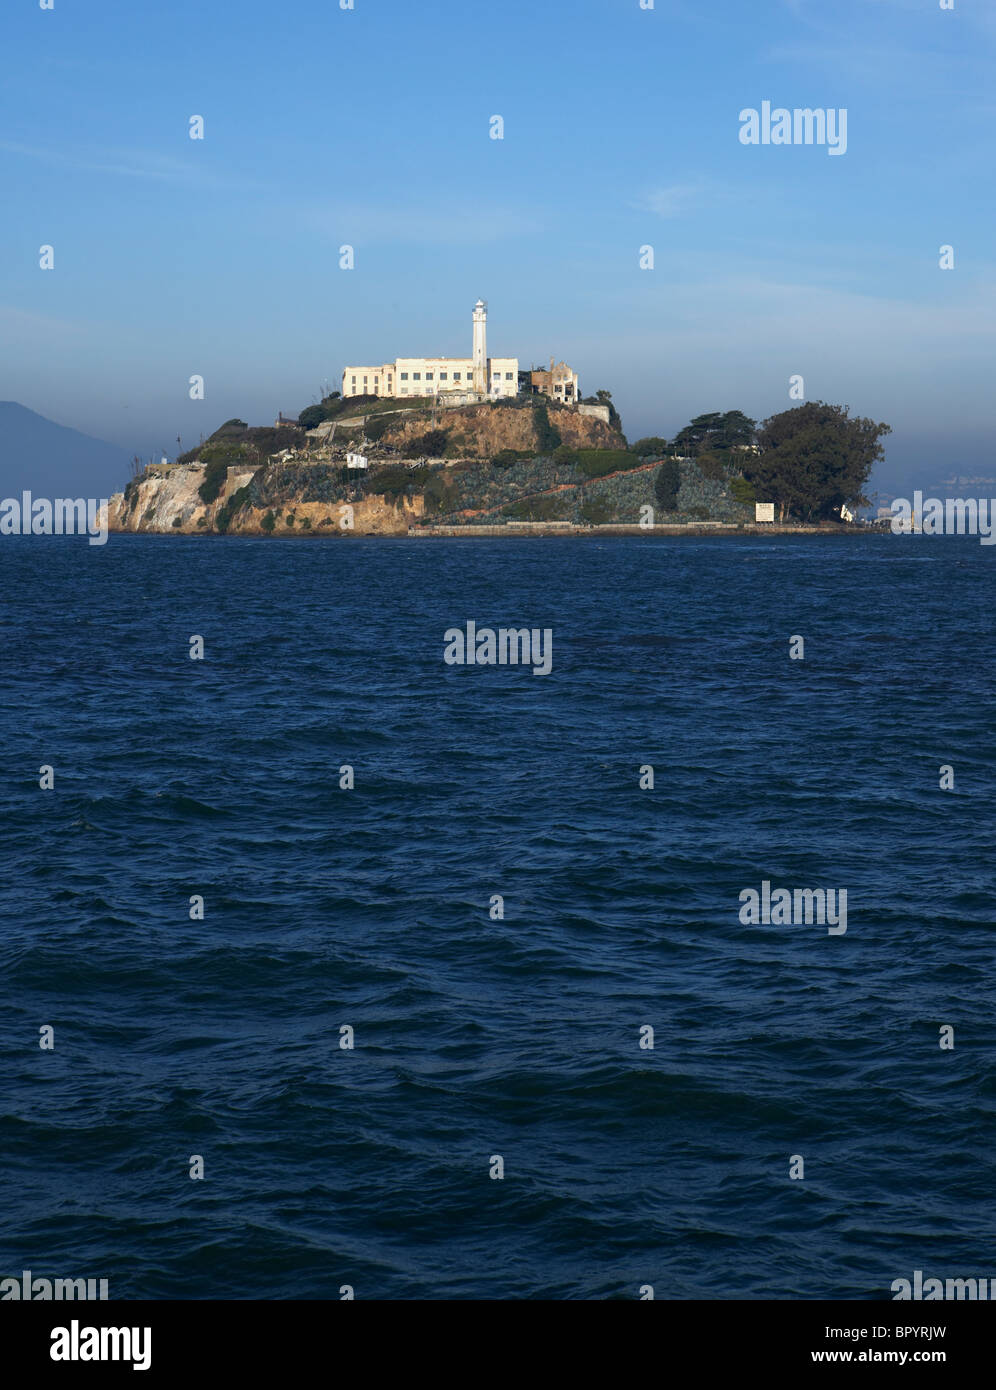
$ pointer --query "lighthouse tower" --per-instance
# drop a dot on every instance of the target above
(481, 347)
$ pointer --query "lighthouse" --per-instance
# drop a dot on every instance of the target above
(480, 354)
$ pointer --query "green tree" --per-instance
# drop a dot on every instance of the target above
(814, 459)
(666, 484)
(652, 447)
(311, 417)
(714, 433)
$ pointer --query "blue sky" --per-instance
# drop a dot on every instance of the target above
(371, 127)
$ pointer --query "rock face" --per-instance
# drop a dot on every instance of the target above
(165, 499)
(481, 431)
(313, 493)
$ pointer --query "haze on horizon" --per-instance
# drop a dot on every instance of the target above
(370, 127)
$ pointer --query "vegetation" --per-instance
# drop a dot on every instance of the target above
(814, 459)
(666, 483)
(506, 457)
(311, 417)
(227, 510)
(374, 430)
(605, 398)
(428, 445)
(743, 491)
(535, 509)
(244, 445)
(653, 447)
(268, 522)
(597, 513)
(712, 466)
(596, 463)
(440, 491)
(214, 480)
(714, 433)
(394, 483)
(548, 437)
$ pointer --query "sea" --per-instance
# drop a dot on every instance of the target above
(330, 969)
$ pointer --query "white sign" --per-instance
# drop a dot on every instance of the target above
(764, 511)
(356, 461)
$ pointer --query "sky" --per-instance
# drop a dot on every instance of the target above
(371, 127)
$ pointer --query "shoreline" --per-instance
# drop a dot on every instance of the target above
(539, 529)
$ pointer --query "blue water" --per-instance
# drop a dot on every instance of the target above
(477, 1037)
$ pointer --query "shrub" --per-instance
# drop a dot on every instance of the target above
(311, 416)
(596, 513)
(596, 463)
(566, 453)
(306, 523)
(438, 491)
(535, 509)
(228, 509)
(214, 480)
(711, 466)
(228, 429)
(653, 446)
(742, 491)
(376, 428)
(177, 521)
(431, 444)
(268, 522)
(666, 484)
(506, 457)
(391, 482)
(548, 437)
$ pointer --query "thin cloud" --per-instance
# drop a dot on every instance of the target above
(673, 201)
(134, 164)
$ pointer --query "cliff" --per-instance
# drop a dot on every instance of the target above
(492, 464)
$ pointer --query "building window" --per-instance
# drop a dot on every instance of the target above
(428, 376)
(354, 380)
(456, 376)
(416, 376)
(442, 376)
(508, 376)
(404, 390)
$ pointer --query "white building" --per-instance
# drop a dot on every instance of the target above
(478, 377)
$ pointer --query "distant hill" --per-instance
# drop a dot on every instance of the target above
(53, 461)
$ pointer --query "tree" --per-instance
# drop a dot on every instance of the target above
(814, 459)
(311, 417)
(666, 484)
(714, 433)
(652, 447)
(428, 445)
